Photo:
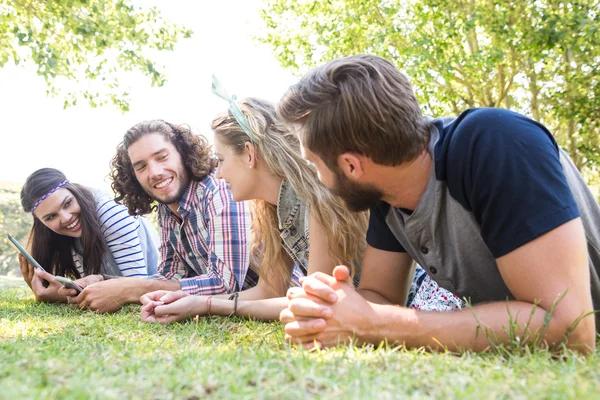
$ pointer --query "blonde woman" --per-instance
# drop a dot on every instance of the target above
(299, 227)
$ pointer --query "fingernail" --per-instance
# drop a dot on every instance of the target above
(327, 313)
(333, 297)
(319, 324)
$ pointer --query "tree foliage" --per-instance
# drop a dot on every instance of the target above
(86, 41)
(15, 221)
(538, 57)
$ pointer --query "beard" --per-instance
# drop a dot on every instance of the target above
(183, 181)
(357, 197)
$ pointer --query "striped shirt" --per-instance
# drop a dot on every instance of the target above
(120, 230)
(208, 249)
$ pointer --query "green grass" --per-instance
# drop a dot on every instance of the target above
(54, 352)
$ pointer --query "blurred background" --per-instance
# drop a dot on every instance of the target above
(75, 75)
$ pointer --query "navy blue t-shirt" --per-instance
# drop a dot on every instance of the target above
(504, 169)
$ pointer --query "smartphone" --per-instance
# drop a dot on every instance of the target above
(69, 284)
(18, 246)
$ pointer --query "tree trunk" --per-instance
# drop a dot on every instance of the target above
(534, 90)
(570, 99)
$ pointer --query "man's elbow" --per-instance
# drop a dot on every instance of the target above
(577, 332)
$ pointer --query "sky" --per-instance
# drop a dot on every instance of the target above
(37, 132)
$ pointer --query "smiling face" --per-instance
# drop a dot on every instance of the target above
(60, 212)
(235, 170)
(159, 168)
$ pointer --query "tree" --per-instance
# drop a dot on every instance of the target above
(538, 57)
(72, 41)
(15, 221)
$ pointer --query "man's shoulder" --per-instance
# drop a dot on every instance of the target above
(481, 133)
(483, 124)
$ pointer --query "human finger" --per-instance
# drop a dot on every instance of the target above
(37, 285)
(295, 292)
(286, 316)
(342, 274)
(303, 341)
(44, 275)
(323, 277)
(305, 327)
(309, 309)
(170, 297)
(26, 269)
(64, 291)
(320, 289)
(147, 312)
(153, 296)
(173, 309)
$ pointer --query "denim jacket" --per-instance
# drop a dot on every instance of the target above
(293, 216)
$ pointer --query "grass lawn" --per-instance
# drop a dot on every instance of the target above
(54, 352)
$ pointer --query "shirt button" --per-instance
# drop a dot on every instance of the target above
(424, 250)
(433, 270)
(191, 254)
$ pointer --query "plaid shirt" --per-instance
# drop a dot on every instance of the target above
(208, 250)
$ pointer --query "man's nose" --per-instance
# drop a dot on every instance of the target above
(155, 170)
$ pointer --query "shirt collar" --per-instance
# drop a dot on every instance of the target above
(186, 201)
(287, 202)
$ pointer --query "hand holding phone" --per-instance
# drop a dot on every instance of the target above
(69, 284)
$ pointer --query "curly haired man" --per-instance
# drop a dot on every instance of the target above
(204, 234)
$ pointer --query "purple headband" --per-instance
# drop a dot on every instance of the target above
(44, 197)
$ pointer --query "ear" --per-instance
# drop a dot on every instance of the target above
(351, 165)
(251, 153)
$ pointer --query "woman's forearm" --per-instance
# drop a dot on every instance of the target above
(263, 309)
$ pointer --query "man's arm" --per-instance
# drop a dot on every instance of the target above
(386, 276)
(552, 266)
(110, 295)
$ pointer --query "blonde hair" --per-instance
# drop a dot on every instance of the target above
(280, 150)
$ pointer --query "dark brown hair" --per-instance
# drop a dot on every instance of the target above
(360, 104)
(51, 250)
(194, 151)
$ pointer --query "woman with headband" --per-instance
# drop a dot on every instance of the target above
(78, 232)
(293, 213)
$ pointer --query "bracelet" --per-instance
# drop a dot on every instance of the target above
(208, 304)
(234, 297)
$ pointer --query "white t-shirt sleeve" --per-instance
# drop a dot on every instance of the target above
(121, 234)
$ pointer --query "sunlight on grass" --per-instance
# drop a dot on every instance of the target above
(55, 352)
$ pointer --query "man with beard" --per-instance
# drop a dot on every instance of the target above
(204, 234)
(487, 203)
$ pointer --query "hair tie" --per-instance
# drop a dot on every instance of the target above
(234, 107)
(44, 197)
